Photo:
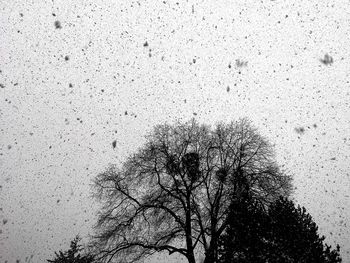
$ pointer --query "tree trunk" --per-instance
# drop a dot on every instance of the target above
(190, 249)
(190, 257)
(211, 253)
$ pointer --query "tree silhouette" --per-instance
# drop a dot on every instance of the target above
(72, 255)
(244, 239)
(173, 194)
(284, 233)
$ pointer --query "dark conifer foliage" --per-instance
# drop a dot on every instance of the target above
(72, 255)
(244, 239)
(294, 232)
(284, 233)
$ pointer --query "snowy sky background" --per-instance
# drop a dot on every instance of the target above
(67, 93)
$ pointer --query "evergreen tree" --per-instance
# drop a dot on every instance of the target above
(284, 233)
(293, 232)
(72, 255)
(244, 239)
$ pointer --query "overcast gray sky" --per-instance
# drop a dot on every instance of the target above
(110, 70)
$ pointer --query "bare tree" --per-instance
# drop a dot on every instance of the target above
(173, 194)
